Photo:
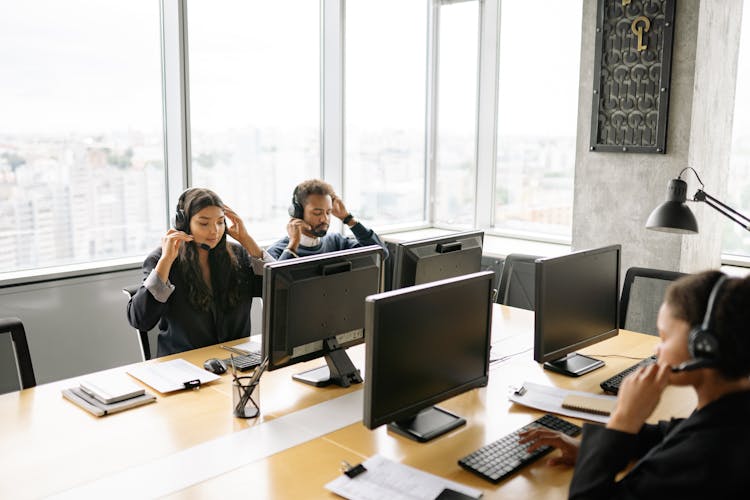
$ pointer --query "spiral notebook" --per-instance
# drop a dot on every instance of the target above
(597, 406)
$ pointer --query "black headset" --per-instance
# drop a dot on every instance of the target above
(296, 209)
(180, 218)
(703, 344)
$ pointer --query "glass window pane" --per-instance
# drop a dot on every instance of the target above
(81, 149)
(255, 104)
(458, 59)
(737, 240)
(537, 116)
(385, 110)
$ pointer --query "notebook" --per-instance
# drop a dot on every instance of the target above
(597, 406)
(92, 405)
(111, 388)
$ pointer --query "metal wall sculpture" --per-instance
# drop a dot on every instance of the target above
(632, 75)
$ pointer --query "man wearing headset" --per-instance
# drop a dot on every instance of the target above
(703, 324)
(313, 203)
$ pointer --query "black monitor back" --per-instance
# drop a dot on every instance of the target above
(576, 301)
(423, 261)
(310, 299)
(425, 344)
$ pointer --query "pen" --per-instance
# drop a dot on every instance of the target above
(234, 372)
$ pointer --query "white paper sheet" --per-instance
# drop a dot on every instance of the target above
(170, 375)
(394, 481)
(550, 399)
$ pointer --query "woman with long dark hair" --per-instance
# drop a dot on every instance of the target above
(198, 286)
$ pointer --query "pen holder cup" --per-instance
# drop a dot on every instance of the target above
(245, 398)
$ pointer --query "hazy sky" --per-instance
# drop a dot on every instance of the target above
(90, 65)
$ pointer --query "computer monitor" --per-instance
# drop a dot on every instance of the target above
(315, 307)
(432, 259)
(425, 344)
(576, 306)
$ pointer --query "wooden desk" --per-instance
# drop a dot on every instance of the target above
(49, 445)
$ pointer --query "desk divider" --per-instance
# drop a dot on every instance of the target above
(218, 456)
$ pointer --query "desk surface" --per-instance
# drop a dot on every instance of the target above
(49, 445)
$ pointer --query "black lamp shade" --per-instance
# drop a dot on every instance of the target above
(673, 216)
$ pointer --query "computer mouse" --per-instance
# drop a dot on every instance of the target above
(215, 365)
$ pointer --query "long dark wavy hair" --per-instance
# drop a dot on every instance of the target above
(225, 279)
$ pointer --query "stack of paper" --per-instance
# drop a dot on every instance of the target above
(105, 394)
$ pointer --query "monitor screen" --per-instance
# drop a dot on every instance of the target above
(425, 344)
(576, 306)
(432, 259)
(315, 307)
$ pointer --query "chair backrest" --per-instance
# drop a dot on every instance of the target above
(518, 281)
(14, 328)
(142, 334)
(642, 294)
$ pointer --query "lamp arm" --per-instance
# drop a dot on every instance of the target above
(722, 208)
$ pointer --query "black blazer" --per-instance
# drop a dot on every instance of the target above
(181, 327)
(706, 455)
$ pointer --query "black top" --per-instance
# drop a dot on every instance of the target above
(181, 326)
(706, 455)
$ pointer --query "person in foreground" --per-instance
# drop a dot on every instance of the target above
(313, 203)
(703, 324)
(198, 286)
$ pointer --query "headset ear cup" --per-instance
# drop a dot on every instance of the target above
(179, 220)
(296, 210)
(703, 344)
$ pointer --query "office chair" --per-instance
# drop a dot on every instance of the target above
(14, 327)
(642, 294)
(142, 334)
(517, 281)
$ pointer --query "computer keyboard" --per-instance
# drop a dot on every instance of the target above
(244, 362)
(498, 460)
(612, 384)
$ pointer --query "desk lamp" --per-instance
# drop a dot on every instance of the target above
(674, 216)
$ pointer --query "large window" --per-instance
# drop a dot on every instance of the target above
(255, 104)
(81, 150)
(456, 114)
(537, 115)
(736, 239)
(385, 110)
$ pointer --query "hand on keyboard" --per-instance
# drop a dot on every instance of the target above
(541, 436)
(501, 458)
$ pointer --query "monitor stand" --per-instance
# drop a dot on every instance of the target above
(427, 424)
(574, 364)
(339, 370)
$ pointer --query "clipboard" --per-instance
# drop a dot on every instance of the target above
(551, 399)
(172, 375)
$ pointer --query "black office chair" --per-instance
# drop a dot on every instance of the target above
(14, 327)
(642, 294)
(142, 334)
(517, 281)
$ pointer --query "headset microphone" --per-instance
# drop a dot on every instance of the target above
(695, 364)
(204, 246)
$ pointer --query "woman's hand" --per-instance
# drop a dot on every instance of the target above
(170, 249)
(638, 396)
(541, 436)
(238, 231)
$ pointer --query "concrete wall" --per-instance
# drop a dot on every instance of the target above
(615, 192)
